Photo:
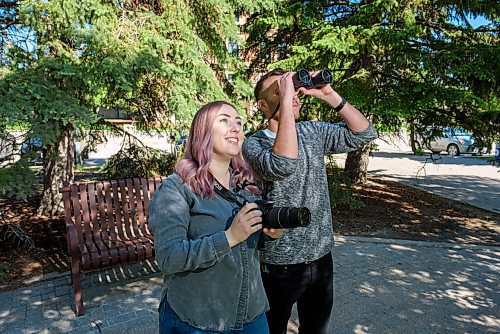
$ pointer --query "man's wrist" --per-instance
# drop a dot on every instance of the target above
(341, 105)
(286, 112)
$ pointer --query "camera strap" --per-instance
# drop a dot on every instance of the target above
(227, 194)
(274, 112)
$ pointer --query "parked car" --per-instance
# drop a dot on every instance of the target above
(33, 148)
(181, 142)
(455, 141)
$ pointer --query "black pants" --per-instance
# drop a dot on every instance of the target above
(308, 284)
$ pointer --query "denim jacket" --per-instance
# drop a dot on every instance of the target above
(208, 284)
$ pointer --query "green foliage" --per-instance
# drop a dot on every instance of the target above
(342, 192)
(397, 61)
(153, 62)
(138, 161)
(17, 180)
(419, 151)
(160, 61)
(4, 271)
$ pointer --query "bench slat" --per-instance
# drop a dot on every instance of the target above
(117, 213)
(110, 216)
(84, 206)
(92, 207)
(132, 200)
(141, 217)
(144, 212)
(101, 210)
(125, 209)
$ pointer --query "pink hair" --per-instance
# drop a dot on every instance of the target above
(194, 166)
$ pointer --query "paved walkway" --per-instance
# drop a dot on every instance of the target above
(464, 178)
(381, 286)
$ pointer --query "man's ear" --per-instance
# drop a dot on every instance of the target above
(262, 105)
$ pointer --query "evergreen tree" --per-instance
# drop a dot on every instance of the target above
(416, 62)
(63, 59)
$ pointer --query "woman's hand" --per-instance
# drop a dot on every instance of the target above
(246, 222)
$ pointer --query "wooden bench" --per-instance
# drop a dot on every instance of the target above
(106, 224)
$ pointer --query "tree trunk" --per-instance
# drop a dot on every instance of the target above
(59, 166)
(412, 141)
(356, 164)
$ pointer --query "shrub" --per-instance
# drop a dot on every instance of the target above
(17, 180)
(138, 161)
(342, 193)
(419, 151)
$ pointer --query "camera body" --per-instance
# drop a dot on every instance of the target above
(283, 217)
(303, 78)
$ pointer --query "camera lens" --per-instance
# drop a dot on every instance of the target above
(304, 216)
(286, 217)
(299, 217)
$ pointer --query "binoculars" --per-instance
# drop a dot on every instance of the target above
(302, 78)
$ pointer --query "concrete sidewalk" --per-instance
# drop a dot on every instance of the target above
(381, 286)
(464, 178)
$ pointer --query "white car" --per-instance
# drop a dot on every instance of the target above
(452, 140)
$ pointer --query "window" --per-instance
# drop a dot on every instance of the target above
(281, 51)
(264, 51)
(232, 47)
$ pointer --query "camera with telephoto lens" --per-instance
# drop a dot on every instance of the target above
(283, 217)
(303, 78)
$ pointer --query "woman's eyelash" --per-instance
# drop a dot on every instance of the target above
(225, 120)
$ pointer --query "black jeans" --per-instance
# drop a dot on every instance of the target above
(308, 284)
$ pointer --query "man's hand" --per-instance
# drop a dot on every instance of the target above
(286, 92)
(354, 119)
(274, 233)
(324, 93)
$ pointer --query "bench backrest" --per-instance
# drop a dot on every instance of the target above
(109, 210)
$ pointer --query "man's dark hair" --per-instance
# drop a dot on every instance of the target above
(258, 86)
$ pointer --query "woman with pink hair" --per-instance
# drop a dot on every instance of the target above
(208, 232)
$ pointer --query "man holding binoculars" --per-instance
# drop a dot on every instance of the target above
(288, 158)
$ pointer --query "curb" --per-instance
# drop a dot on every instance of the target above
(418, 243)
